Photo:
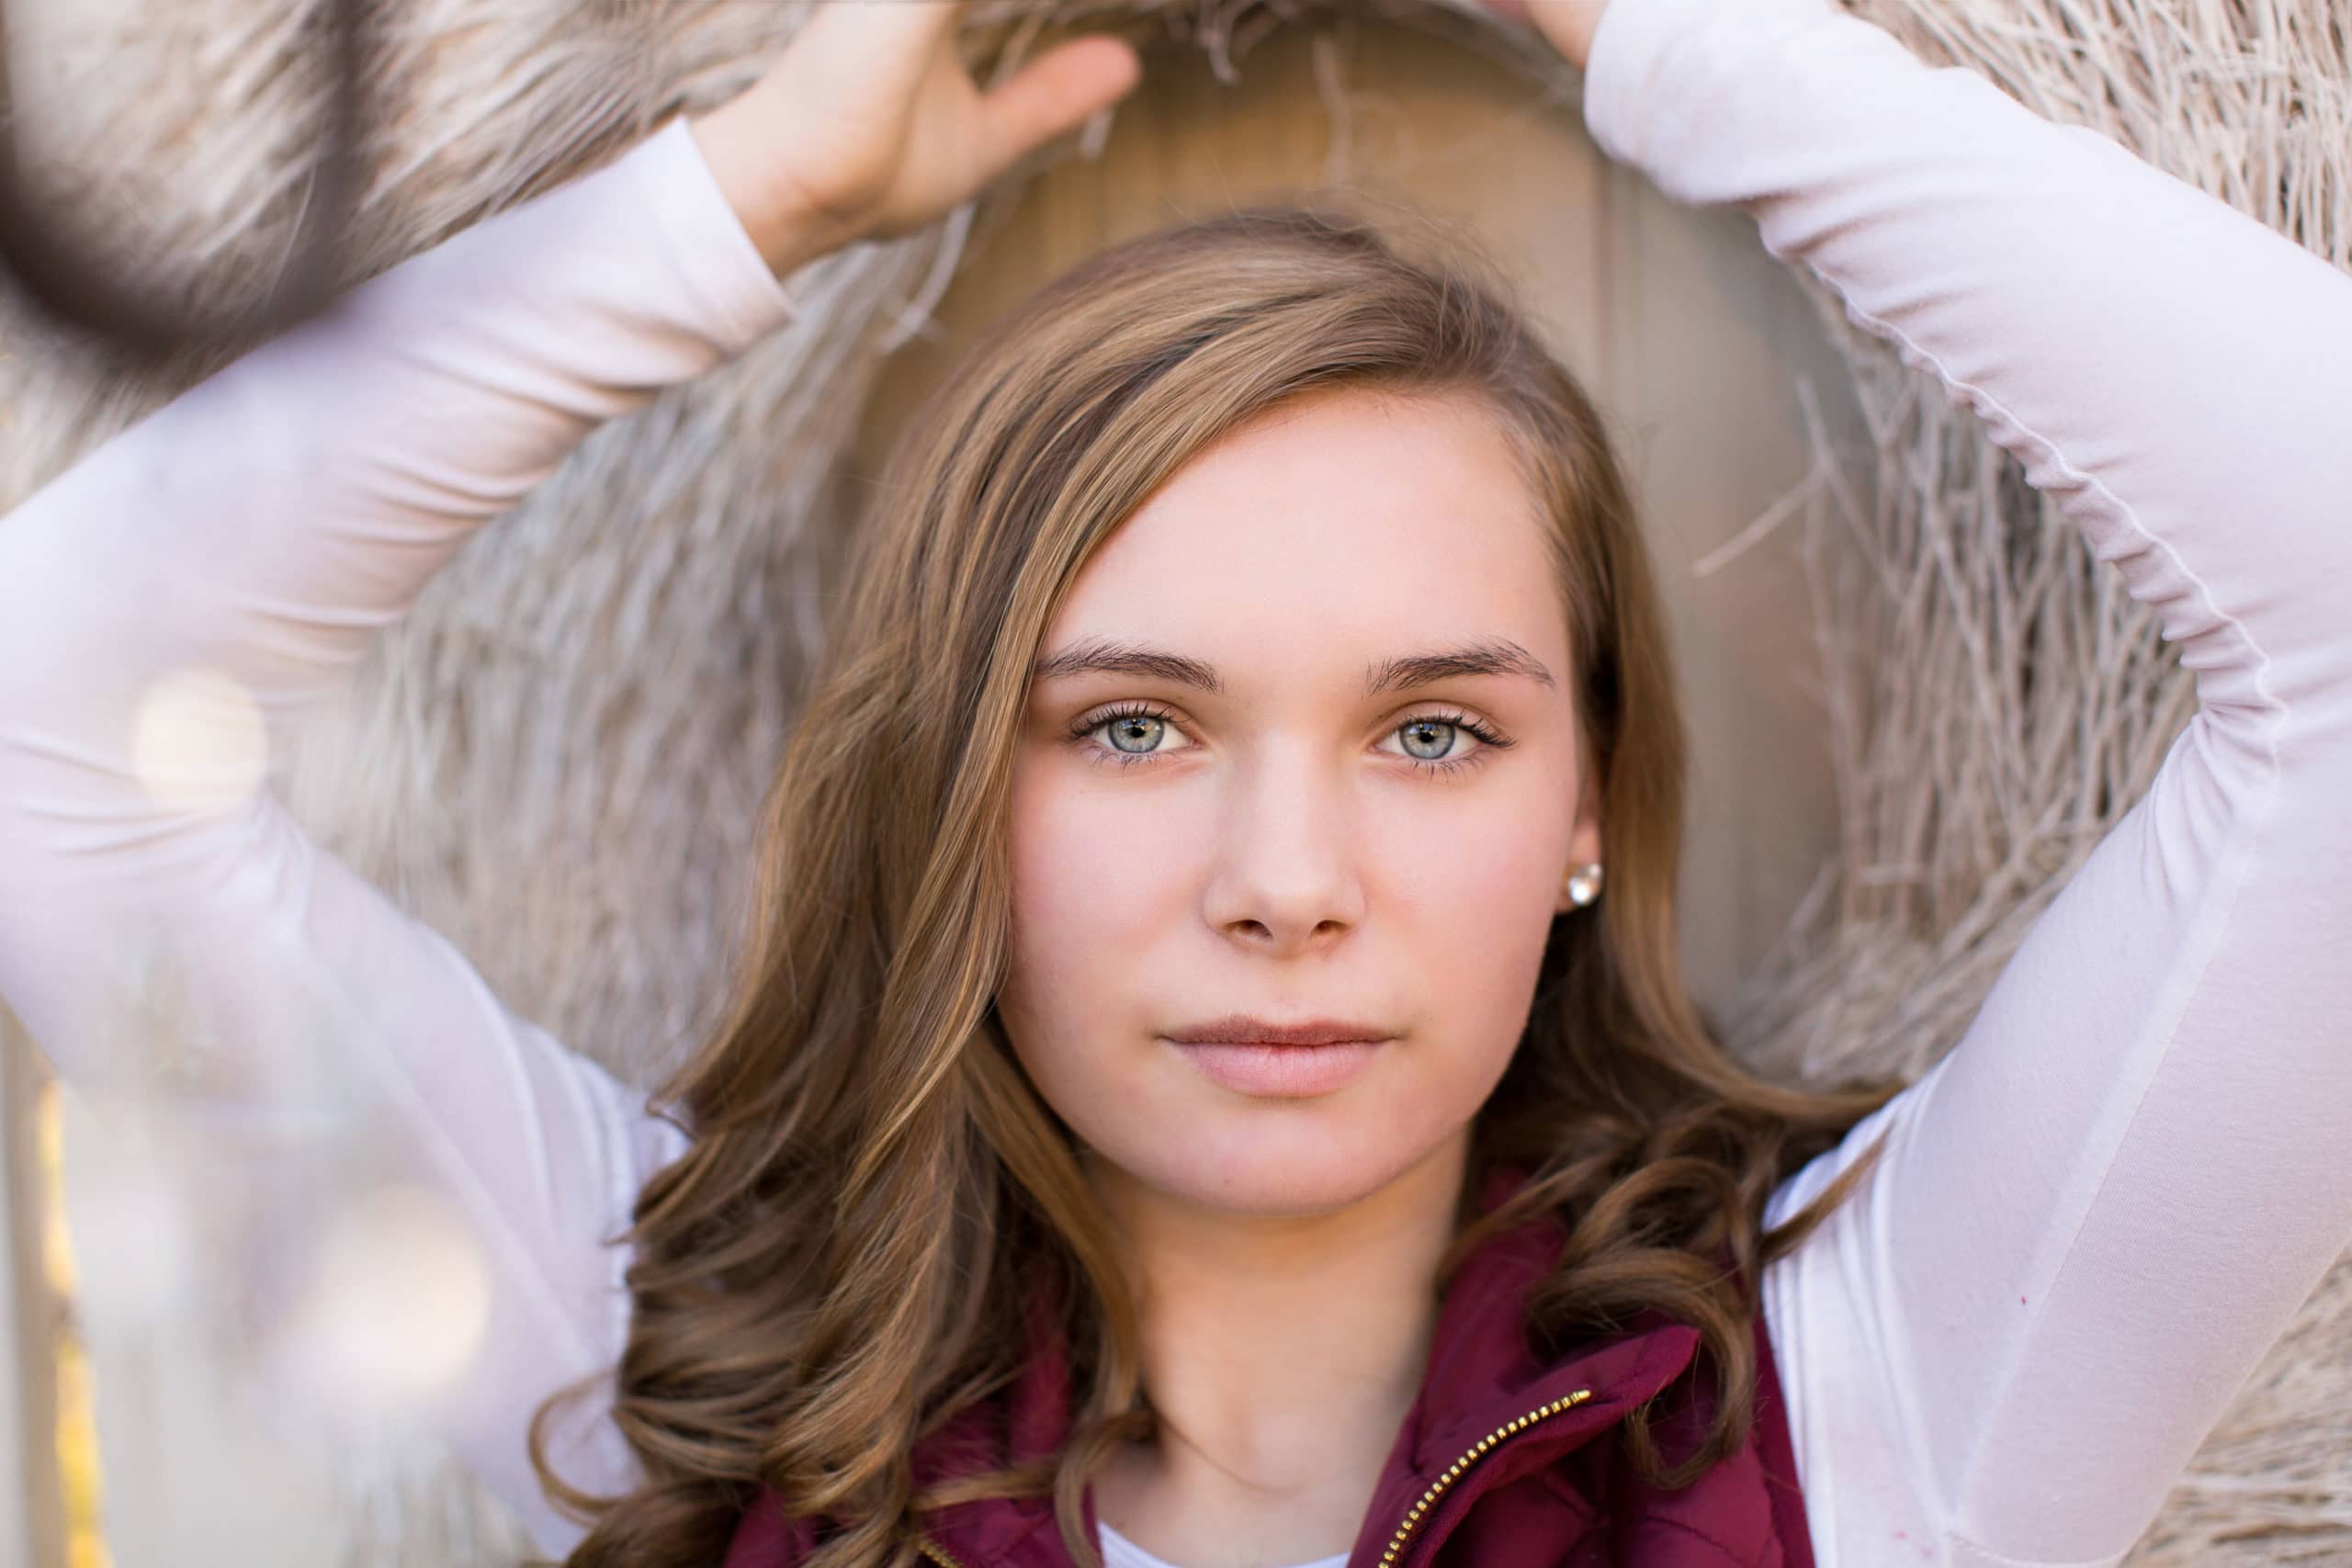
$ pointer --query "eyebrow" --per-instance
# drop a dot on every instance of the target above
(1490, 656)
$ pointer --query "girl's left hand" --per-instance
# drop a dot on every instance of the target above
(869, 127)
(1569, 24)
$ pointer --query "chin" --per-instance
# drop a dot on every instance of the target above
(1268, 1171)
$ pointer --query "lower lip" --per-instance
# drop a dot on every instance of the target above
(1282, 1071)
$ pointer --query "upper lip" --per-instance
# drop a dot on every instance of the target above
(1241, 1028)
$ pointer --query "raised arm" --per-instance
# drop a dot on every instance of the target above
(210, 573)
(2104, 1206)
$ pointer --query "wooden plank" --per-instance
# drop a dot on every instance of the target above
(1710, 332)
(32, 1523)
(197, 1474)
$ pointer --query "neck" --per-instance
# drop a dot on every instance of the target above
(1281, 1352)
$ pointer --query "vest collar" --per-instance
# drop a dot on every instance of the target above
(1483, 1395)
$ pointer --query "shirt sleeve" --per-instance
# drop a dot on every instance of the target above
(2102, 1208)
(173, 602)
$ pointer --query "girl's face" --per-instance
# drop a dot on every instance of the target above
(1301, 747)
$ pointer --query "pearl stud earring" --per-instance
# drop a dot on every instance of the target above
(1584, 883)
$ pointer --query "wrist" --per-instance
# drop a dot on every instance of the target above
(788, 230)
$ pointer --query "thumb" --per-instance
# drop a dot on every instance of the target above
(1058, 92)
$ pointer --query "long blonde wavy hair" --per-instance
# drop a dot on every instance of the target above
(831, 1270)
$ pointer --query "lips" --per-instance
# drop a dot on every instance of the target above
(1244, 1029)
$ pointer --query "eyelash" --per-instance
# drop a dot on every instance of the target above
(1491, 742)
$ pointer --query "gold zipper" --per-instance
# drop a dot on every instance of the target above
(1476, 1451)
(935, 1551)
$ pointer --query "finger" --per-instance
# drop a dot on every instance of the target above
(1058, 92)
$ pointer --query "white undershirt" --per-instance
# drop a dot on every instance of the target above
(2098, 1212)
(1118, 1551)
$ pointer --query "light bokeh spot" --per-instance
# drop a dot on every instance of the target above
(199, 741)
(396, 1306)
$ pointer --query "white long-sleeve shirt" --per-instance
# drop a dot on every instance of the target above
(2096, 1212)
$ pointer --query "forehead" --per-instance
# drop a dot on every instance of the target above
(1340, 524)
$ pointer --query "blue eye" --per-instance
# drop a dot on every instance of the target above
(1137, 722)
(1146, 723)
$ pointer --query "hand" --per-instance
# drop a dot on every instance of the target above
(869, 127)
(1569, 24)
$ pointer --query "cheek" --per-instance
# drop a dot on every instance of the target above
(1473, 881)
(1463, 903)
(1471, 932)
(1081, 884)
(1084, 914)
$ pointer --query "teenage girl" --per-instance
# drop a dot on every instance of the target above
(1180, 954)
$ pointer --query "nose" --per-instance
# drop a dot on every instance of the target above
(1286, 879)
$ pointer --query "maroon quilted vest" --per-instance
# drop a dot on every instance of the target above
(1503, 1461)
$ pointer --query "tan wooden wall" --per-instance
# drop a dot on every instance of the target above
(1689, 335)
(31, 1490)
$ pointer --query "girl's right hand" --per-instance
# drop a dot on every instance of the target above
(869, 127)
